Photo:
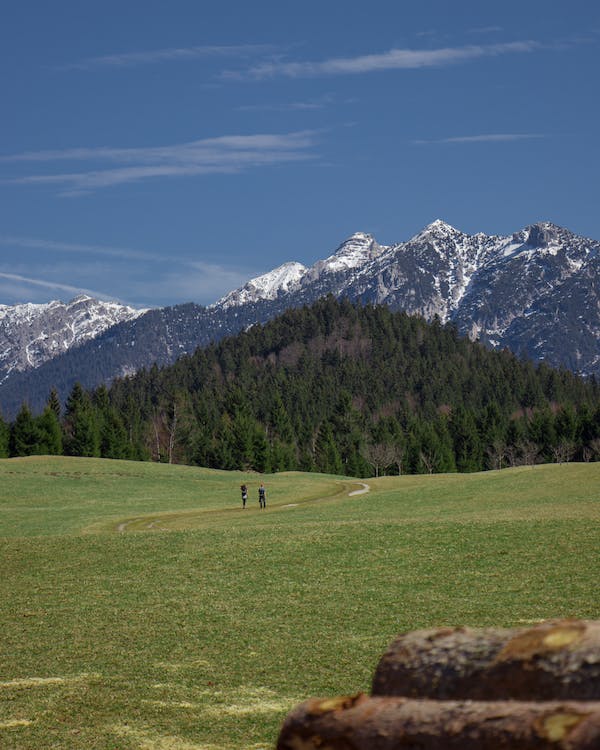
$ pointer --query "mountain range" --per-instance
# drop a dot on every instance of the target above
(535, 292)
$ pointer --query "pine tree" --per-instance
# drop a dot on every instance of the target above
(24, 434)
(54, 402)
(242, 428)
(327, 456)
(541, 431)
(467, 445)
(280, 420)
(50, 433)
(81, 433)
(222, 453)
(4, 438)
(260, 451)
(113, 436)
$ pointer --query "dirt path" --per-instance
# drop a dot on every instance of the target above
(365, 488)
(161, 523)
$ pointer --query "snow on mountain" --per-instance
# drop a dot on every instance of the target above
(290, 278)
(31, 334)
(528, 274)
(353, 253)
(536, 292)
(437, 231)
(428, 275)
(492, 287)
(267, 286)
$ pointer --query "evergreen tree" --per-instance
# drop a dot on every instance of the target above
(81, 433)
(242, 429)
(281, 457)
(446, 462)
(113, 436)
(50, 433)
(260, 451)
(4, 438)
(327, 456)
(492, 425)
(280, 420)
(54, 402)
(542, 432)
(346, 428)
(467, 445)
(566, 425)
(200, 447)
(436, 454)
(222, 453)
(24, 434)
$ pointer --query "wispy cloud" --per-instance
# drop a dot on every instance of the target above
(172, 278)
(204, 283)
(225, 155)
(394, 59)
(33, 243)
(484, 138)
(486, 30)
(320, 102)
(168, 54)
(45, 284)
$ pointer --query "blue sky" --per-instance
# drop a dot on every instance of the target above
(165, 152)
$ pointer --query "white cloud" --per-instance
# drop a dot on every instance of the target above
(173, 279)
(206, 152)
(223, 155)
(486, 30)
(394, 59)
(309, 104)
(169, 54)
(484, 138)
(203, 283)
(26, 281)
(82, 249)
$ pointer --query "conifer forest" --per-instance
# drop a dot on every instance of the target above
(336, 388)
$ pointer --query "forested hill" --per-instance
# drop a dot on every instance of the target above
(334, 388)
(345, 389)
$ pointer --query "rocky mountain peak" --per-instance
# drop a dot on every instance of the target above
(31, 334)
(357, 250)
(79, 299)
(438, 229)
(542, 234)
(267, 286)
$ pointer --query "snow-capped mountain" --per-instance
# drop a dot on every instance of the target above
(292, 277)
(31, 334)
(536, 292)
(268, 286)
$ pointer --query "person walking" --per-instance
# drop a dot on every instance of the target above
(244, 490)
(262, 496)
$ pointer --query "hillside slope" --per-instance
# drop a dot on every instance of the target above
(208, 635)
(313, 388)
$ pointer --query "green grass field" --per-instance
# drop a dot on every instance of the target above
(140, 607)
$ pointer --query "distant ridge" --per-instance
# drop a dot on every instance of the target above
(31, 334)
(535, 292)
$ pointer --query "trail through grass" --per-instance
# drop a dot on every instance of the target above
(204, 631)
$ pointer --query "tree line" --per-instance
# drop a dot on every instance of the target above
(334, 387)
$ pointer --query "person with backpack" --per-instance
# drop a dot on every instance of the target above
(244, 490)
(262, 496)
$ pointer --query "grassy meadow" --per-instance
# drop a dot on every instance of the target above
(140, 607)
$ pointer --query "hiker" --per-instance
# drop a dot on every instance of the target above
(262, 496)
(244, 490)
